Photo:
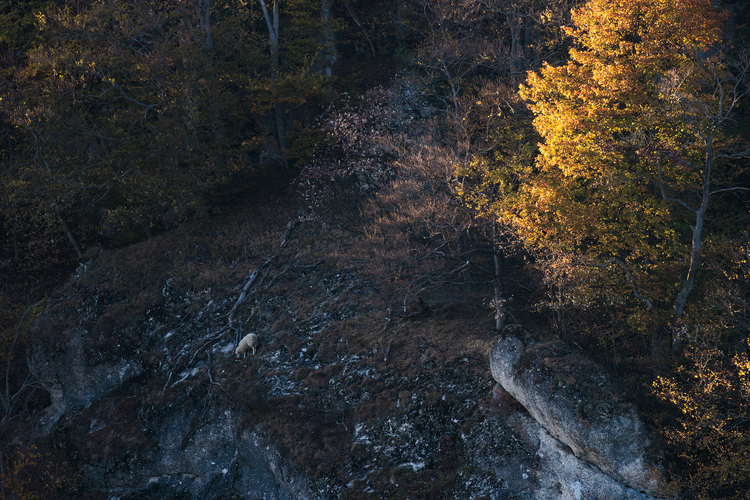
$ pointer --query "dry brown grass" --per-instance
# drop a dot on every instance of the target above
(412, 224)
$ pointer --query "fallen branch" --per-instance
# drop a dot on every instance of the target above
(278, 275)
(251, 280)
(387, 351)
(300, 266)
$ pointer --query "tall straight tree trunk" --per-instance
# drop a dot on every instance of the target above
(514, 23)
(203, 7)
(15, 245)
(329, 43)
(10, 150)
(398, 24)
(696, 243)
(500, 319)
(272, 21)
(529, 28)
(204, 14)
(695, 264)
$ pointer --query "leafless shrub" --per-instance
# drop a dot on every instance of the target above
(415, 232)
(362, 141)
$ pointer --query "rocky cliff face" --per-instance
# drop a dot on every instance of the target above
(345, 398)
(578, 409)
(342, 400)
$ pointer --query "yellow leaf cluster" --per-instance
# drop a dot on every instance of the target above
(713, 393)
(587, 192)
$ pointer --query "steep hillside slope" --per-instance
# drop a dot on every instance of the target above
(346, 397)
(371, 377)
(138, 354)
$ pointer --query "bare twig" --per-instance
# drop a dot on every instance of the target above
(278, 275)
(730, 189)
(359, 25)
(387, 319)
(8, 396)
(300, 266)
(242, 257)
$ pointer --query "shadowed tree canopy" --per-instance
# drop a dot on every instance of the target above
(127, 113)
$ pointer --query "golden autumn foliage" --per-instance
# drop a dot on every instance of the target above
(605, 93)
(639, 131)
(712, 394)
(638, 136)
(621, 152)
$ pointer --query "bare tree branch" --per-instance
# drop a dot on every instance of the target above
(636, 292)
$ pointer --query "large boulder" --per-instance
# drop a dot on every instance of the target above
(574, 400)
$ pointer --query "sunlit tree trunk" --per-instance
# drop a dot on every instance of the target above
(500, 319)
(704, 118)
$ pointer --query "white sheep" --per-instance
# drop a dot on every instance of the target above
(246, 344)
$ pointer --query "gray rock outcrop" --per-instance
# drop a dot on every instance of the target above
(73, 381)
(573, 400)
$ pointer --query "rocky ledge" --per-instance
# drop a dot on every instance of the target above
(579, 411)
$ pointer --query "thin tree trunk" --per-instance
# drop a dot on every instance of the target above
(10, 150)
(204, 14)
(329, 42)
(362, 28)
(147, 229)
(696, 245)
(2, 474)
(398, 25)
(70, 235)
(272, 21)
(15, 245)
(527, 43)
(515, 43)
(695, 264)
(252, 18)
(500, 319)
